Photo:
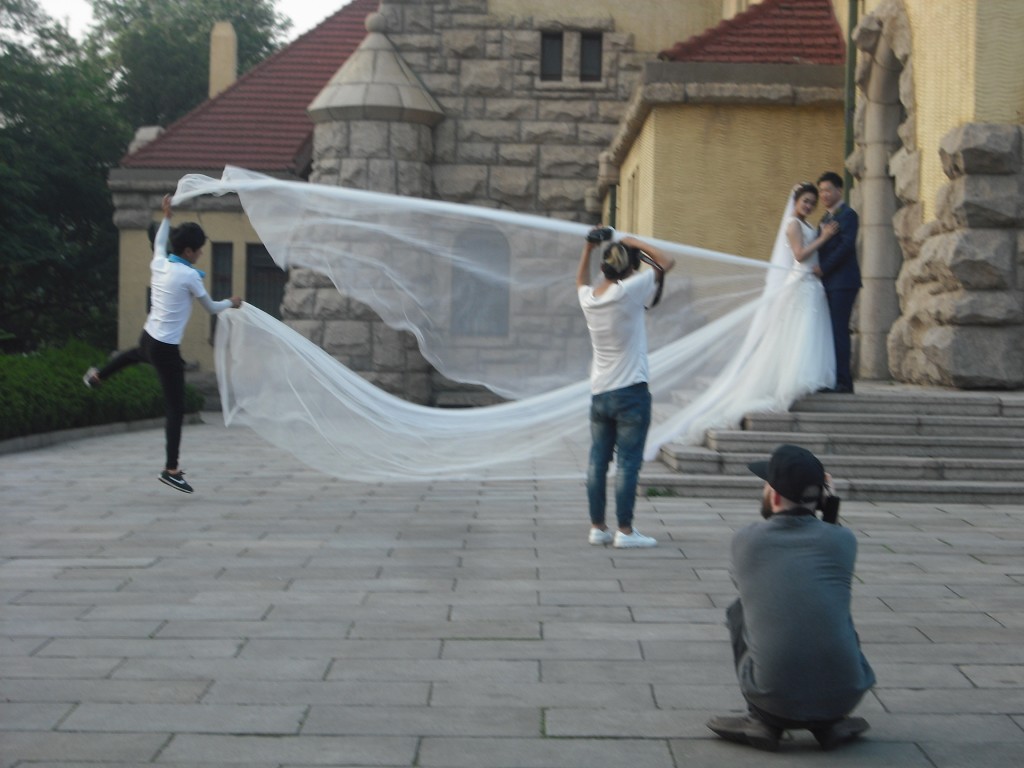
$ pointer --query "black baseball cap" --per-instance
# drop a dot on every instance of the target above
(794, 472)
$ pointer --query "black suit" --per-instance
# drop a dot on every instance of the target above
(841, 278)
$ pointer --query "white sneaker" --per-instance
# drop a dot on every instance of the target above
(597, 536)
(633, 540)
(92, 378)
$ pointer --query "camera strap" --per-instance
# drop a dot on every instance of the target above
(659, 277)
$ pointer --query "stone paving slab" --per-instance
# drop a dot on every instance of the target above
(278, 617)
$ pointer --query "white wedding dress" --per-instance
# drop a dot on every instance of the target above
(798, 339)
(787, 352)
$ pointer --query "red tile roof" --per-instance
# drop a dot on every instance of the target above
(772, 32)
(260, 122)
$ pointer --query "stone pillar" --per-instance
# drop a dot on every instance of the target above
(878, 306)
(963, 296)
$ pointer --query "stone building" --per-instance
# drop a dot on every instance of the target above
(594, 110)
(504, 103)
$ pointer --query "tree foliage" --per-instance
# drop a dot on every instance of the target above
(67, 112)
(60, 132)
(159, 49)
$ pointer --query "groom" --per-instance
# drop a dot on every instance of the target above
(839, 271)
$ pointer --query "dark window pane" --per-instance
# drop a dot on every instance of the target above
(479, 304)
(551, 56)
(221, 278)
(220, 275)
(590, 57)
(264, 280)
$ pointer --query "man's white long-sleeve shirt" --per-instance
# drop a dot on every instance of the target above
(172, 288)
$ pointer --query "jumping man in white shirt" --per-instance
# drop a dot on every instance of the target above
(174, 283)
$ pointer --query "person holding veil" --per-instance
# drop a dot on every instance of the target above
(788, 350)
(796, 350)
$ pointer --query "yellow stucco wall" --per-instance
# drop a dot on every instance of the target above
(943, 32)
(968, 67)
(654, 24)
(1000, 62)
(636, 198)
(135, 255)
(717, 176)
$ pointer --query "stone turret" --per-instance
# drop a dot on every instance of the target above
(372, 131)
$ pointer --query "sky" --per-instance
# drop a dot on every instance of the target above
(305, 14)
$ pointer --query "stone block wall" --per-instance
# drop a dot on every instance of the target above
(510, 140)
(507, 140)
(961, 287)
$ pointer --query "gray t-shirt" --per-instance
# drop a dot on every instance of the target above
(803, 659)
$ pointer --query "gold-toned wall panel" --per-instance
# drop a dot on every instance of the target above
(636, 197)
(721, 173)
(1000, 62)
(133, 280)
(944, 35)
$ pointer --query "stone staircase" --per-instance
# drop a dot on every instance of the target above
(886, 443)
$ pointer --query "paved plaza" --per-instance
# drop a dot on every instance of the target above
(278, 617)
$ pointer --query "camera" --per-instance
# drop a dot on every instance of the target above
(829, 506)
(600, 234)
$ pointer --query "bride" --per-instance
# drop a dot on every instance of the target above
(804, 318)
(788, 350)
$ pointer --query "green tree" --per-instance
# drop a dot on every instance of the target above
(60, 133)
(159, 49)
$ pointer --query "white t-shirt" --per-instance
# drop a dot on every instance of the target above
(617, 331)
(172, 288)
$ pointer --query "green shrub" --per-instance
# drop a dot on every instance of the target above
(43, 392)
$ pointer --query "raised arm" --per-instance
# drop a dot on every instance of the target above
(662, 259)
(583, 269)
(796, 244)
(164, 231)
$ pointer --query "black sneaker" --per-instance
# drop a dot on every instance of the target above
(92, 378)
(747, 730)
(175, 481)
(846, 730)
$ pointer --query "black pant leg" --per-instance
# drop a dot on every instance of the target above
(170, 368)
(122, 360)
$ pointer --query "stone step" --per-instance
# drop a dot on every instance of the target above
(874, 423)
(703, 461)
(653, 484)
(887, 442)
(921, 401)
(738, 441)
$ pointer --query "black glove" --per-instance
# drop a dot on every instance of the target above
(600, 234)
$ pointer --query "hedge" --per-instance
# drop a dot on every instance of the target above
(43, 392)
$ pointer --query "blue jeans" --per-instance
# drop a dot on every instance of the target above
(618, 423)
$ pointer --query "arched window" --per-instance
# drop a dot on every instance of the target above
(480, 303)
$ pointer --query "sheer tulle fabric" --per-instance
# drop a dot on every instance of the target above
(490, 297)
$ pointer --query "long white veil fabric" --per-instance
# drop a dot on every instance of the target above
(490, 297)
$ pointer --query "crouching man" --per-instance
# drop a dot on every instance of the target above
(797, 654)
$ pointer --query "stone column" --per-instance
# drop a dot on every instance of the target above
(878, 305)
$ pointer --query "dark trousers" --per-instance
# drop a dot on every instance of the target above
(840, 308)
(734, 620)
(170, 369)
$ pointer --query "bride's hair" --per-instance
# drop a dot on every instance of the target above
(803, 188)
